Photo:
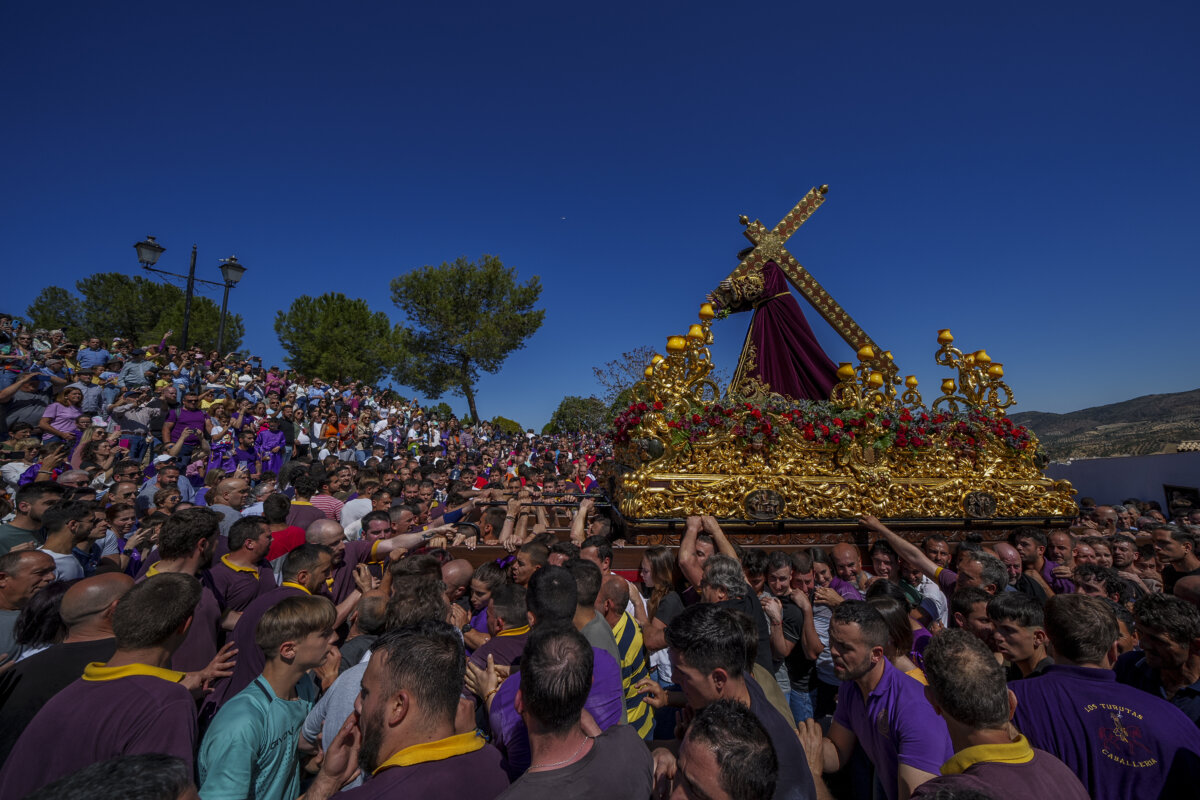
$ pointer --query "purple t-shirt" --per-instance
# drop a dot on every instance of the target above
(606, 704)
(237, 587)
(185, 418)
(95, 720)
(1121, 742)
(895, 725)
(476, 775)
(62, 418)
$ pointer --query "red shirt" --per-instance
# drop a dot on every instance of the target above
(285, 541)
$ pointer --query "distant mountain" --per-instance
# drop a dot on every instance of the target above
(1155, 423)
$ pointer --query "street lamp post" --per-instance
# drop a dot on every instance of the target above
(232, 272)
(148, 252)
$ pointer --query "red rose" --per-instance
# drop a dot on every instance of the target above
(635, 421)
(838, 422)
(808, 434)
(837, 438)
(642, 407)
(824, 430)
(658, 406)
(695, 419)
(887, 423)
(756, 414)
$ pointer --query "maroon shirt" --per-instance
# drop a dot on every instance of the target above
(476, 775)
(237, 585)
(95, 720)
(303, 514)
(358, 552)
(204, 637)
(250, 658)
(505, 648)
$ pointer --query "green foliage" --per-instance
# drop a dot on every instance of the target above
(441, 411)
(579, 414)
(113, 304)
(464, 318)
(55, 307)
(506, 425)
(333, 337)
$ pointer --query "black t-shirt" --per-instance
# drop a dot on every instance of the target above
(1170, 576)
(670, 607)
(618, 765)
(799, 667)
(31, 683)
(156, 422)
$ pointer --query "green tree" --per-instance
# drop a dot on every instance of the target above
(464, 318)
(507, 426)
(333, 337)
(579, 414)
(441, 411)
(113, 304)
(55, 307)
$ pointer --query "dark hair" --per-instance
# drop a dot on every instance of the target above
(1177, 618)
(40, 622)
(539, 554)
(426, 659)
(1027, 532)
(372, 614)
(895, 616)
(966, 680)
(243, 530)
(568, 549)
(551, 596)
(1081, 628)
(58, 515)
(306, 485)
(556, 676)
(491, 575)
(603, 547)
(710, 638)
(868, 619)
(425, 564)
(508, 601)
(303, 558)
(374, 516)
(802, 562)
(889, 589)
(746, 761)
(183, 530)
(32, 492)
(755, 561)
(1017, 607)
(587, 580)
(152, 611)
(148, 776)
(416, 598)
(965, 599)
(276, 508)
(1114, 584)
(882, 546)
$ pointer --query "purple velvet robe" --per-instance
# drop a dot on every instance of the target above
(790, 359)
(264, 442)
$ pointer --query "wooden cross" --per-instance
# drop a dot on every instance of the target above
(769, 245)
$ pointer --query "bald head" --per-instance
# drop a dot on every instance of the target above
(456, 575)
(847, 561)
(1188, 589)
(231, 492)
(323, 531)
(93, 596)
(614, 592)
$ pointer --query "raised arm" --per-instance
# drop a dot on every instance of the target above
(724, 547)
(904, 548)
(689, 565)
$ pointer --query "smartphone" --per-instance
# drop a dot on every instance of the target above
(123, 443)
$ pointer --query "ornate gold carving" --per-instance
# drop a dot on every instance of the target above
(686, 450)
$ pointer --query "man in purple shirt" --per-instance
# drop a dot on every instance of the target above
(132, 704)
(975, 568)
(880, 707)
(968, 689)
(1039, 572)
(243, 573)
(405, 715)
(1119, 741)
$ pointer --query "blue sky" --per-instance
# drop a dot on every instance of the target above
(1024, 174)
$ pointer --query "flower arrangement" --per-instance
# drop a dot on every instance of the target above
(822, 423)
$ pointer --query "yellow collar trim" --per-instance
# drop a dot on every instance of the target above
(514, 631)
(96, 671)
(295, 585)
(1017, 751)
(301, 503)
(238, 567)
(153, 569)
(439, 750)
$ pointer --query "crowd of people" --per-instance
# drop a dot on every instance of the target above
(231, 580)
